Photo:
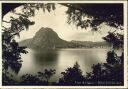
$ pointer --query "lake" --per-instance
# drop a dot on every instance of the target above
(61, 59)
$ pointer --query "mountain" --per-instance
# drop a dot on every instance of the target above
(46, 38)
(90, 44)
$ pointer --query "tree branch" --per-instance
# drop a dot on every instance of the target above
(20, 14)
(6, 21)
(7, 7)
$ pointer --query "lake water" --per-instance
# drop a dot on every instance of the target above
(61, 59)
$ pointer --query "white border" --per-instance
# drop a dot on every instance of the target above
(125, 45)
(0, 47)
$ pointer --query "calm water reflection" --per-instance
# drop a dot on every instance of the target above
(38, 60)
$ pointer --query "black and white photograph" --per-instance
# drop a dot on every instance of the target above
(63, 44)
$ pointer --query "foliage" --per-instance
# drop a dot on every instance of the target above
(47, 74)
(8, 79)
(11, 52)
(29, 79)
(108, 73)
(29, 8)
(116, 39)
(41, 78)
(72, 76)
(112, 14)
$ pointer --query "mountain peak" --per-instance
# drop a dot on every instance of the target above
(45, 29)
(47, 38)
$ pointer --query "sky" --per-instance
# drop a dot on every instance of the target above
(57, 20)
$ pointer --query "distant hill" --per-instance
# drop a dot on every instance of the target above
(46, 38)
(26, 42)
(90, 44)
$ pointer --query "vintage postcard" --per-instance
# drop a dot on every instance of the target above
(64, 44)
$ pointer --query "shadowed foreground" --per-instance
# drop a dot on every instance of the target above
(110, 73)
